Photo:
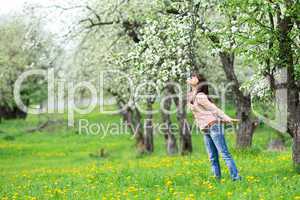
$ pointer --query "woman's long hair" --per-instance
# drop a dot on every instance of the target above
(202, 85)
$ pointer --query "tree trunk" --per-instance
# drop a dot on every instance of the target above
(247, 124)
(137, 129)
(285, 26)
(125, 113)
(132, 118)
(12, 113)
(170, 139)
(184, 128)
(149, 127)
(294, 116)
(296, 144)
(293, 105)
(243, 103)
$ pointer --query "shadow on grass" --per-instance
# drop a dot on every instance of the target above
(248, 151)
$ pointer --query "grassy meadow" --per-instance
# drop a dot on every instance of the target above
(59, 163)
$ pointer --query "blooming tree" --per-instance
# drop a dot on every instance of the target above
(269, 34)
(24, 46)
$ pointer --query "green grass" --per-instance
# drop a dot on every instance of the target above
(55, 164)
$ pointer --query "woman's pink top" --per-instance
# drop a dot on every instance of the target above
(204, 111)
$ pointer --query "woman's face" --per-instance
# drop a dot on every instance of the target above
(193, 81)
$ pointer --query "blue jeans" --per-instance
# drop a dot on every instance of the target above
(215, 145)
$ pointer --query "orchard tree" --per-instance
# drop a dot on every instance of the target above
(269, 33)
(171, 63)
(218, 25)
(24, 46)
(165, 56)
(121, 82)
(107, 30)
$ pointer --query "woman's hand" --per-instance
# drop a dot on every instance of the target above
(235, 121)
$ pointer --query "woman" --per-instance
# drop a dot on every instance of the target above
(210, 119)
